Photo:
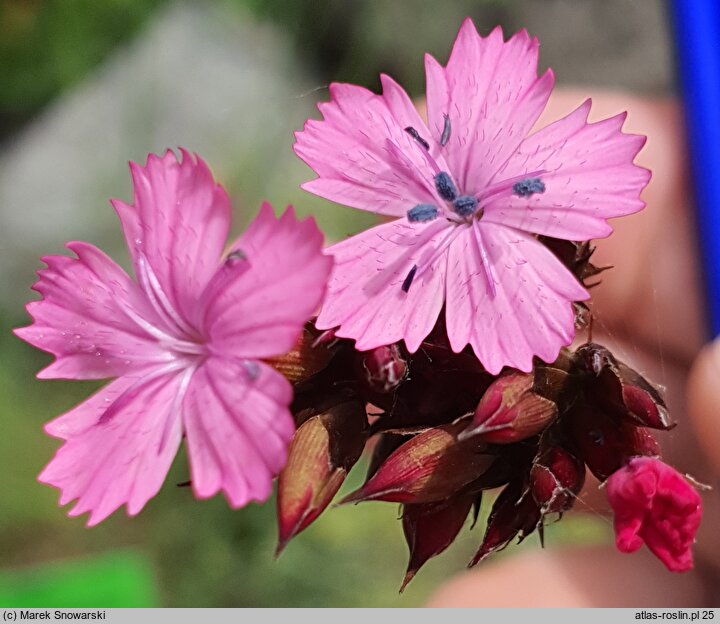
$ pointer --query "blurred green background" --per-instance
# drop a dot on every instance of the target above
(86, 86)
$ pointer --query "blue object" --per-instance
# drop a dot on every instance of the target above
(445, 186)
(527, 187)
(697, 35)
(465, 205)
(422, 213)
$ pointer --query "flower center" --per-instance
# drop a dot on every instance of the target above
(465, 206)
(180, 339)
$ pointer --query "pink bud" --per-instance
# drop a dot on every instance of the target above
(427, 468)
(322, 452)
(655, 505)
(510, 411)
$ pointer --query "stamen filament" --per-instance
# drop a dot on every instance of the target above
(397, 153)
(132, 391)
(166, 340)
(159, 299)
(454, 232)
(485, 259)
(499, 188)
(176, 406)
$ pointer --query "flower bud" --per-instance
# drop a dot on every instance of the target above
(657, 506)
(626, 393)
(510, 411)
(321, 454)
(382, 369)
(429, 529)
(619, 389)
(514, 511)
(594, 358)
(384, 445)
(429, 467)
(606, 442)
(305, 359)
(326, 338)
(556, 477)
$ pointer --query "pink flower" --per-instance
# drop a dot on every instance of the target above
(654, 504)
(184, 343)
(471, 189)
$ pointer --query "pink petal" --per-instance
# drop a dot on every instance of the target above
(365, 297)
(238, 429)
(655, 505)
(492, 95)
(82, 317)
(349, 151)
(530, 313)
(259, 300)
(88, 413)
(179, 224)
(124, 459)
(591, 178)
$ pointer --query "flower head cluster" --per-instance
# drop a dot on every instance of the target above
(204, 343)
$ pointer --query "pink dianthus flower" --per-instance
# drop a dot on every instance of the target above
(184, 343)
(470, 190)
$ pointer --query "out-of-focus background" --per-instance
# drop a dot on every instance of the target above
(86, 86)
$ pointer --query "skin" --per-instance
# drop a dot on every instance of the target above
(649, 311)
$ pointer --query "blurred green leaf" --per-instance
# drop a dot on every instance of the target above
(118, 579)
(48, 45)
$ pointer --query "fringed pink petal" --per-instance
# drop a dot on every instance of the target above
(530, 313)
(124, 459)
(492, 96)
(88, 413)
(590, 177)
(238, 429)
(83, 318)
(365, 296)
(176, 230)
(362, 153)
(273, 281)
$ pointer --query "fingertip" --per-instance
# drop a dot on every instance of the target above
(704, 400)
(561, 577)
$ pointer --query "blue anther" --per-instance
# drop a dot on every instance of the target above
(234, 257)
(409, 279)
(422, 213)
(445, 186)
(252, 370)
(465, 205)
(416, 135)
(446, 131)
(525, 188)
